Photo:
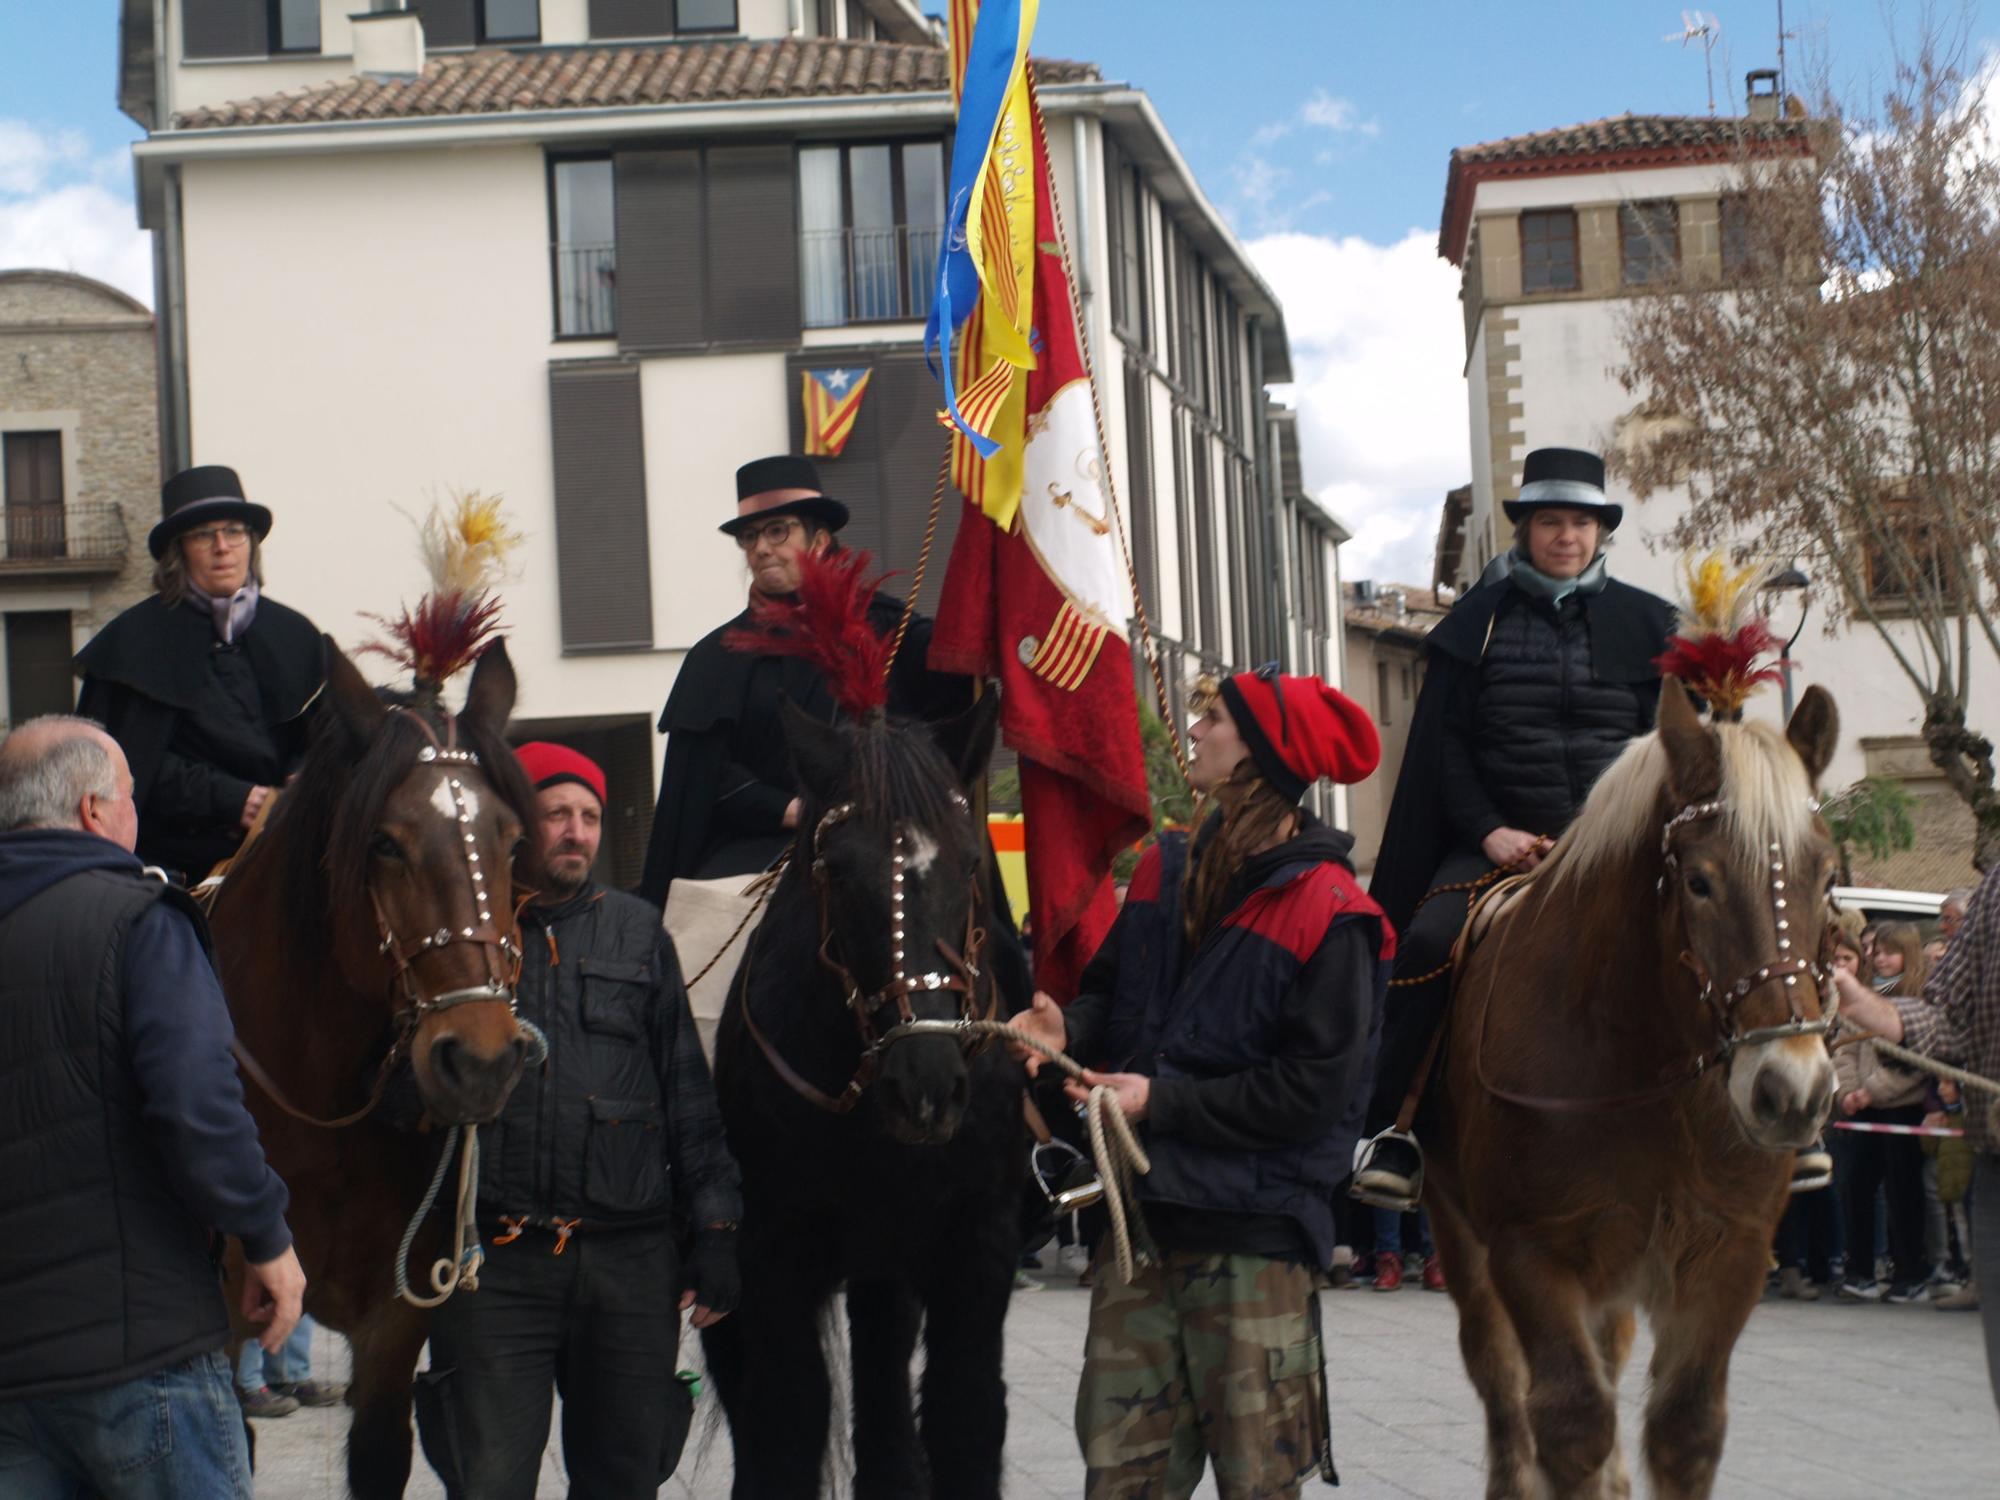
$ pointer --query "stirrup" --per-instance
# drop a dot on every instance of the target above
(1071, 1183)
(1387, 1190)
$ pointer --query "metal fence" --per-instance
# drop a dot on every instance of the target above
(868, 275)
(586, 289)
(85, 532)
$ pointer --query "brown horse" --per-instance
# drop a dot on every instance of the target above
(373, 920)
(1637, 1045)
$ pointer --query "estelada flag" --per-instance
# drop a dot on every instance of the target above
(832, 401)
(1042, 605)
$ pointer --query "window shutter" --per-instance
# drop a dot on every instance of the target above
(912, 446)
(658, 216)
(610, 19)
(753, 246)
(448, 23)
(226, 28)
(38, 670)
(1139, 487)
(603, 564)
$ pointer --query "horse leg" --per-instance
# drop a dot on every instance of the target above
(1493, 1359)
(386, 1346)
(1617, 1326)
(1571, 1408)
(1694, 1334)
(771, 1375)
(882, 1321)
(965, 1398)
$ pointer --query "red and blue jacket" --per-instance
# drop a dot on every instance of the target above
(1260, 1043)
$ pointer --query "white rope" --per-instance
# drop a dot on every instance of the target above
(1958, 1076)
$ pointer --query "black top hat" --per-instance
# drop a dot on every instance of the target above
(196, 497)
(782, 486)
(1568, 477)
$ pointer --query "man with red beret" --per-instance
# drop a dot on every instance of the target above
(1235, 1005)
(607, 1194)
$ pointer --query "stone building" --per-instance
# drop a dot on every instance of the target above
(1384, 626)
(80, 473)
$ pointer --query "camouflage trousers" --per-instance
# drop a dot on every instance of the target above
(1203, 1357)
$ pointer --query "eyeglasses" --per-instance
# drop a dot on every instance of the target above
(773, 532)
(212, 537)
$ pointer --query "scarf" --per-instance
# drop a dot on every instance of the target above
(231, 614)
(1536, 584)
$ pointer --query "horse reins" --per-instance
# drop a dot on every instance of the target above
(961, 975)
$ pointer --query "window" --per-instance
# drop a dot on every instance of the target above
(1734, 222)
(817, 18)
(1139, 486)
(704, 15)
(859, 23)
(295, 25)
(1382, 694)
(510, 20)
(1128, 250)
(1548, 251)
(1911, 560)
(584, 247)
(34, 495)
(1190, 334)
(38, 673)
(871, 217)
(1649, 241)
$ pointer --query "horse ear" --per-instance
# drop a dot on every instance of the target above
(818, 750)
(1815, 730)
(1694, 761)
(489, 697)
(352, 700)
(967, 738)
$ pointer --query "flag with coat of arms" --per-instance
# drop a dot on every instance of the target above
(832, 401)
(1036, 592)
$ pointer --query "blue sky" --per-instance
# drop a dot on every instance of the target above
(1320, 128)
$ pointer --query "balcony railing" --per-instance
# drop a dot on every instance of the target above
(869, 275)
(586, 290)
(85, 537)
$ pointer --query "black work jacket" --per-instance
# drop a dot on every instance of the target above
(619, 1127)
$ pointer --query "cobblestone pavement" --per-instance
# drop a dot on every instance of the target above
(1829, 1401)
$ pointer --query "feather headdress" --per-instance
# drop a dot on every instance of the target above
(465, 547)
(1722, 639)
(827, 624)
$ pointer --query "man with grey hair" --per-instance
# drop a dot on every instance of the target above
(1951, 915)
(125, 1151)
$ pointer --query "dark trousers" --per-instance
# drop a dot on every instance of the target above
(598, 1324)
(1809, 1235)
(1895, 1164)
(1414, 1012)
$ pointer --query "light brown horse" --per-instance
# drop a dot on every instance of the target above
(376, 913)
(1636, 1047)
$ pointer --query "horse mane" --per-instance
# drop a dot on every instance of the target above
(898, 776)
(1767, 798)
(336, 802)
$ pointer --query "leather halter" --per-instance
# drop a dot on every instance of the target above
(960, 975)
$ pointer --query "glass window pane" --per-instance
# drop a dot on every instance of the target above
(705, 15)
(876, 272)
(512, 21)
(586, 249)
(297, 26)
(923, 222)
(823, 265)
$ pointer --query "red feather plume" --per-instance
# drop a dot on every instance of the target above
(441, 636)
(828, 626)
(1722, 668)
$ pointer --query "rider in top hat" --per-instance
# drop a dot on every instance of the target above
(727, 803)
(1533, 684)
(207, 684)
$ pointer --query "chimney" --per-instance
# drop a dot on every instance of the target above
(388, 44)
(1364, 591)
(1761, 94)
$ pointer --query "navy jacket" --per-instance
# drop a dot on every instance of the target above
(1260, 1043)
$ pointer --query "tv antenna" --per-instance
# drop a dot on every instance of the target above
(1696, 27)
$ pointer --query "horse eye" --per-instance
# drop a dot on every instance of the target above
(1698, 886)
(385, 847)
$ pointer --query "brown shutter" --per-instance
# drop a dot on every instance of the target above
(753, 246)
(448, 23)
(226, 28)
(658, 216)
(603, 564)
(38, 670)
(610, 19)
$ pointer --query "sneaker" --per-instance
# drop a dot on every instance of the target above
(1023, 1282)
(265, 1402)
(1812, 1169)
(1965, 1299)
(312, 1392)
(1073, 1258)
(1433, 1274)
(1904, 1292)
(1388, 1271)
(1861, 1291)
(1793, 1286)
(1389, 1172)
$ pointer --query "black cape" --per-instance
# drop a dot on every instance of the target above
(1628, 628)
(150, 665)
(724, 738)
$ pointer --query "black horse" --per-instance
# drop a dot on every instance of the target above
(894, 1168)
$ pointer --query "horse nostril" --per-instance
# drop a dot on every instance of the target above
(1768, 1099)
(446, 1061)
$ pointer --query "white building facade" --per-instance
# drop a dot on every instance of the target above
(578, 253)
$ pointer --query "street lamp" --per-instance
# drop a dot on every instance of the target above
(1793, 580)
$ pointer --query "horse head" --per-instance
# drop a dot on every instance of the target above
(1747, 871)
(895, 859)
(426, 811)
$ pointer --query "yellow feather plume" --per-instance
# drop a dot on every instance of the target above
(1720, 600)
(466, 544)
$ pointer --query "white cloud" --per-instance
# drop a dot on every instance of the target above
(60, 209)
(1332, 113)
(1378, 358)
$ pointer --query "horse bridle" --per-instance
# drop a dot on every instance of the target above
(961, 975)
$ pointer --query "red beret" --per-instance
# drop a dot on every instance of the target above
(548, 764)
(1299, 729)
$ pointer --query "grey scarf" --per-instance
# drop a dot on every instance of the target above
(231, 614)
(1536, 584)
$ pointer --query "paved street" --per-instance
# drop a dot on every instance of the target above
(1830, 1401)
